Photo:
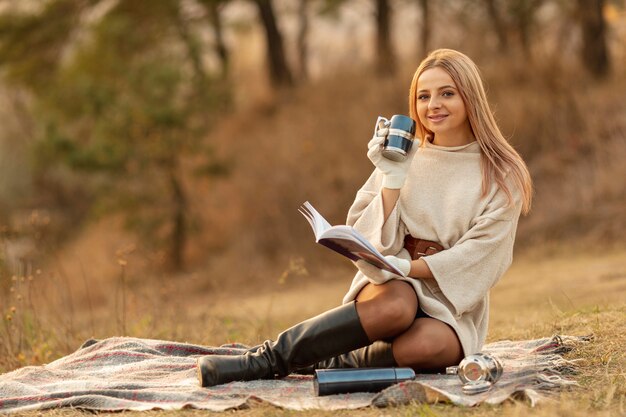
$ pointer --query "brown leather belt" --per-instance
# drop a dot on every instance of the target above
(420, 247)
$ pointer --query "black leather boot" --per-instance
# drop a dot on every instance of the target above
(376, 355)
(331, 333)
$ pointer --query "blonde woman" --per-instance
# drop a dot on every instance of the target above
(446, 217)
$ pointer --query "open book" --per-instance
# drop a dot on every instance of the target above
(344, 240)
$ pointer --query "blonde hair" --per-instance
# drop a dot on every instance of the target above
(499, 158)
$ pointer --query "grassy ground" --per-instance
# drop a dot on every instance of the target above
(573, 291)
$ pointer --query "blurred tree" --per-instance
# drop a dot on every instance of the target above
(33, 43)
(385, 57)
(214, 9)
(303, 32)
(425, 27)
(280, 74)
(594, 53)
(328, 9)
(32, 46)
(499, 25)
(523, 14)
(124, 105)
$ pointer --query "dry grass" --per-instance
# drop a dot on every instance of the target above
(547, 291)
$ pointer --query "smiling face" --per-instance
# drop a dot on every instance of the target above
(440, 108)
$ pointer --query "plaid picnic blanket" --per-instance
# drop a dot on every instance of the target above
(123, 373)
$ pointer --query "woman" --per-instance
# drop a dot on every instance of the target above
(446, 217)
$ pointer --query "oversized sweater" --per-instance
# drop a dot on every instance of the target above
(442, 201)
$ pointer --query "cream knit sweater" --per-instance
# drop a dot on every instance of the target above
(441, 201)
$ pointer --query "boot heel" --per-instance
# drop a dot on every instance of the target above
(199, 373)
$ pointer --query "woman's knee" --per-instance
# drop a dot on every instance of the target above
(430, 350)
(398, 316)
(401, 301)
(420, 353)
(392, 305)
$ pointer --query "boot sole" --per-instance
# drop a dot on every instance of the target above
(199, 372)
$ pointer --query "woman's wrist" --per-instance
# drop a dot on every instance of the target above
(420, 270)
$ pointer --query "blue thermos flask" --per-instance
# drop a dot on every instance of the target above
(341, 381)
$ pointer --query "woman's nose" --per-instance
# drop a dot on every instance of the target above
(434, 103)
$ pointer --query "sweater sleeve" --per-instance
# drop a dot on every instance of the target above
(366, 215)
(466, 271)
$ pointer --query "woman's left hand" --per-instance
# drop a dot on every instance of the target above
(394, 172)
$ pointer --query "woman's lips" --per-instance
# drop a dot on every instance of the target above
(437, 117)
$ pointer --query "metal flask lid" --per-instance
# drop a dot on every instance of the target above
(476, 387)
(341, 381)
(477, 372)
(480, 367)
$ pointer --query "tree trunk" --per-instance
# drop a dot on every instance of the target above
(178, 239)
(218, 32)
(524, 13)
(594, 53)
(280, 75)
(523, 20)
(425, 27)
(303, 32)
(385, 58)
(191, 44)
(499, 26)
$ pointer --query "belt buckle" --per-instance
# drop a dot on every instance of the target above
(434, 249)
(425, 253)
(419, 247)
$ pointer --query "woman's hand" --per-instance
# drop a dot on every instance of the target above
(394, 173)
(379, 276)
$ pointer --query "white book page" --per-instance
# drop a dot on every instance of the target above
(323, 230)
(317, 221)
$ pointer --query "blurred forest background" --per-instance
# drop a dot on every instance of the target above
(153, 153)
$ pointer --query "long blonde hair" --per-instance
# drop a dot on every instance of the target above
(499, 158)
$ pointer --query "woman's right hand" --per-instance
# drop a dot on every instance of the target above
(394, 173)
(379, 276)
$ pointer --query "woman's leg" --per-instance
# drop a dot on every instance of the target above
(379, 312)
(428, 345)
(386, 310)
(389, 310)
(324, 336)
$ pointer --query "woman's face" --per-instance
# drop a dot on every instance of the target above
(440, 108)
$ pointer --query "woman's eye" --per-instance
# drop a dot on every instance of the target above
(448, 94)
(422, 97)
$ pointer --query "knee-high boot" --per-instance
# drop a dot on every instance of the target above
(330, 334)
(377, 355)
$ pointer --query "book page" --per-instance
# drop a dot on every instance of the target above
(344, 240)
(315, 219)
